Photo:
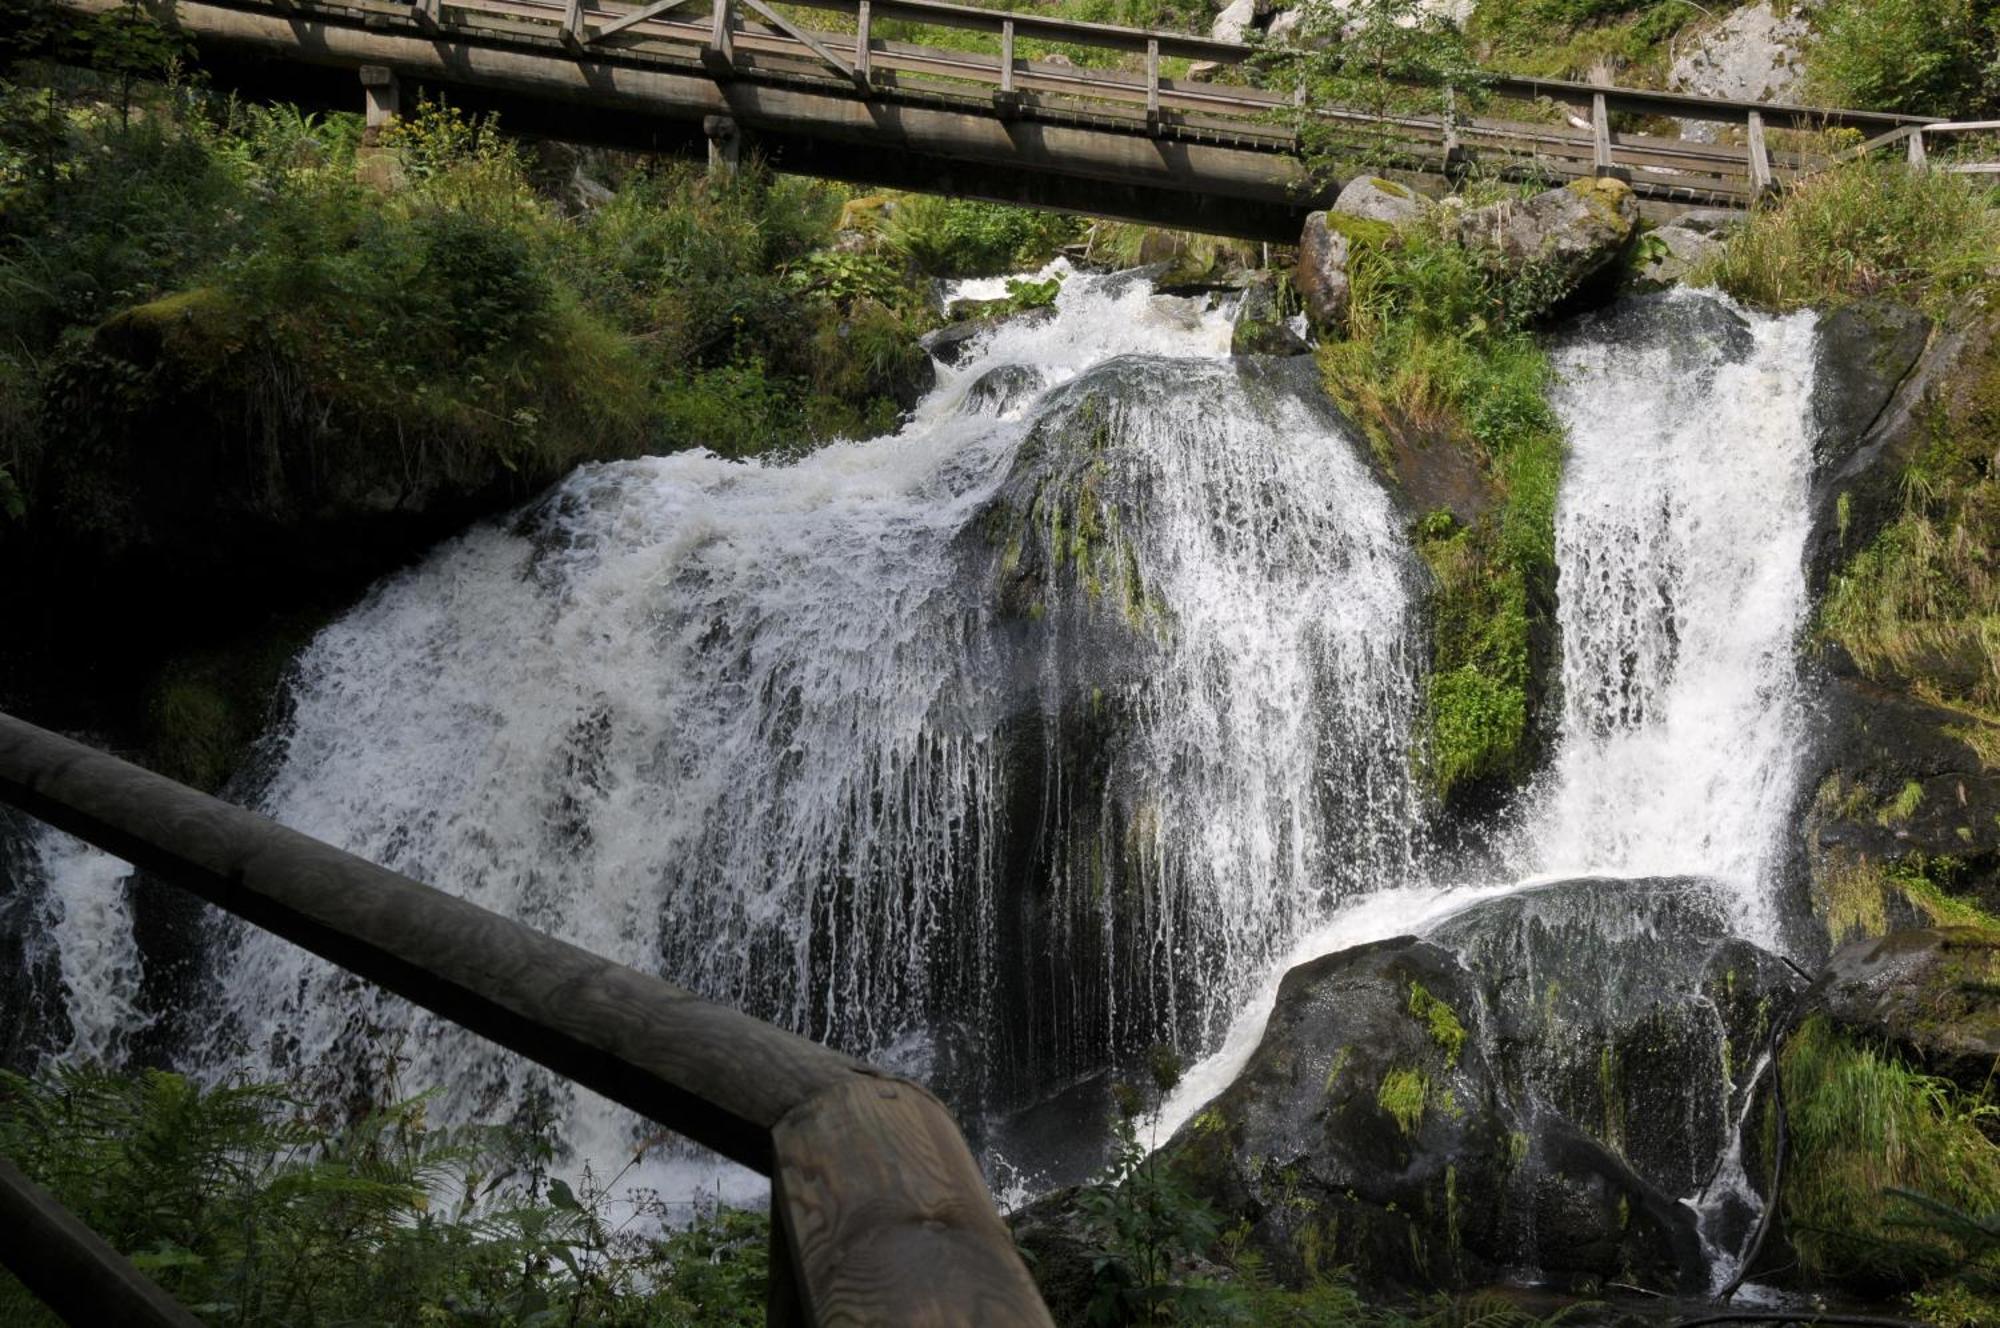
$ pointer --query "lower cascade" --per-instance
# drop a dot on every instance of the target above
(1078, 716)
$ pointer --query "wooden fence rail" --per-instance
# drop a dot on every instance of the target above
(879, 1213)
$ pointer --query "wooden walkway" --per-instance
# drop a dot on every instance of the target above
(816, 85)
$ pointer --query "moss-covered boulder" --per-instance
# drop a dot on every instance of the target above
(1556, 241)
(1533, 1086)
(1372, 198)
(1326, 246)
(1932, 994)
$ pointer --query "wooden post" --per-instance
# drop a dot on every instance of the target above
(1600, 133)
(1152, 81)
(720, 53)
(383, 96)
(572, 25)
(1453, 150)
(1007, 57)
(862, 52)
(859, 1223)
(1919, 157)
(1760, 157)
(426, 14)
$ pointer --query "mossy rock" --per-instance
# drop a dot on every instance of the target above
(1932, 994)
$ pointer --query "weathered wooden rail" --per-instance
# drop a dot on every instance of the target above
(1020, 123)
(879, 1213)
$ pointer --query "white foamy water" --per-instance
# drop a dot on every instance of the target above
(1680, 538)
(742, 725)
(82, 919)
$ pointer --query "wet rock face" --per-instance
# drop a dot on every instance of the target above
(1261, 328)
(1933, 993)
(1533, 1086)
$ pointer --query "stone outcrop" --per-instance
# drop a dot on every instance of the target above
(1933, 994)
(1372, 198)
(1751, 55)
(1531, 1086)
(1559, 238)
(1261, 327)
(1321, 275)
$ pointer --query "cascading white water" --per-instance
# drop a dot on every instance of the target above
(1680, 538)
(76, 921)
(749, 726)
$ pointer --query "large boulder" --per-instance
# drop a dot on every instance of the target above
(1557, 239)
(1671, 254)
(1536, 1086)
(1326, 246)
(1372, 198)
(1934, 994)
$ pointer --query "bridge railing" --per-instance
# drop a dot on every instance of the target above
(878, 1212)
(753, 39)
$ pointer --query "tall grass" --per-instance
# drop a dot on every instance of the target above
(1864, 1125)
(1870, 228)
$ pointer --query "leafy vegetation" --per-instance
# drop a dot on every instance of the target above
(253, 1209)
(1925, 57)
(1440, 353)
(1577, 38)
(1870, 228)
(1876, 1149)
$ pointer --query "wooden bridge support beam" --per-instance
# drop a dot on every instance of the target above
(384, 99)
(725, 143)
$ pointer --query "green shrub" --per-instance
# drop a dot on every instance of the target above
(1924, 57)
(959, 237)
(1864, 1127)
(1439, 355)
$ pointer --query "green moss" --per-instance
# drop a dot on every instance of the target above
(1903, 806)
(1445, 1029)
(1364, 231)
(1863, 1125)
(1402, 1094)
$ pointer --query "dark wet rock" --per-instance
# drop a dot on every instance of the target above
(1864, 352)
(1904, 824)
(1261, 327)
(1003, 387)
(1531, 1087)
(1672, 253)
(948, 344)
(1869, 434)
(1933, 994)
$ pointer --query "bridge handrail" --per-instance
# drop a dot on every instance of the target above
(879, 1213)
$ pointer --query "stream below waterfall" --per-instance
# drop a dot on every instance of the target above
(1061, 722)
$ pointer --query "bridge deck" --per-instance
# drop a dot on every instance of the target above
(836, 99)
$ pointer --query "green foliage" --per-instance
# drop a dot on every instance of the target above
(1439, 354)
(252, 1211)
(1868, 1134)
(1871, 227)
(960, 237)
(1386, 57)
(1026, 293)
(1924, 57)
(1402, 1094)
(1575, 38)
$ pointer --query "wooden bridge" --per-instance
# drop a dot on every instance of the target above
(822, 91)
(879, 1215)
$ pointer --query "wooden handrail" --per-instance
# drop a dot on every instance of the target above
(877, 1204)
(70, 1268)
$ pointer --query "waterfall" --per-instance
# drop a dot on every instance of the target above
(996, 749)
(1680, 539)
